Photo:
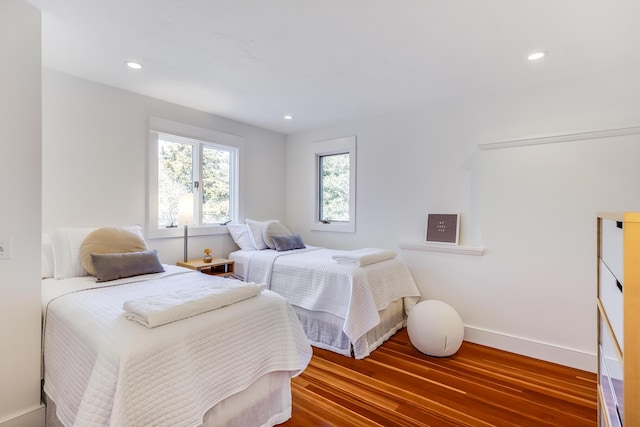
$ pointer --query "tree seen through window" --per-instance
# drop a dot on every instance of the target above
(334, 187)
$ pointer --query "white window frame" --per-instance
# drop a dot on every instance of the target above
(210, 137)
(344, 145)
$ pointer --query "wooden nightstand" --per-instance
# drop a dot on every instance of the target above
(217, 266)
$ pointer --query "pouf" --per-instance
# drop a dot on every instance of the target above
(435, 328)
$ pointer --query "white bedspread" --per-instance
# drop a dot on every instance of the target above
(310, 278)
(102, 369)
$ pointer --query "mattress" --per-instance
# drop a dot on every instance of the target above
(102, 369)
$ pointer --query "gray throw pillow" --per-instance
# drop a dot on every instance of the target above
(288, 242)
(119, 265)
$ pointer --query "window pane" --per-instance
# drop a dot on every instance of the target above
(334, 187)
(216, 186)
(175, 177)
(205, 166)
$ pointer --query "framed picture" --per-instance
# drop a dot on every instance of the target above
(443, 228)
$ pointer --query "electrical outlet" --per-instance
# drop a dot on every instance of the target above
(5, 248)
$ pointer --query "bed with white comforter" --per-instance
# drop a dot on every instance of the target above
(345, 308)
(224, 366)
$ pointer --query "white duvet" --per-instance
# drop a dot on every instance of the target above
(310, 278)
(102, 369)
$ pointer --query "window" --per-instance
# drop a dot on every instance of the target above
(334, 187)
(199, 163)
(335, 184)
(189, 166)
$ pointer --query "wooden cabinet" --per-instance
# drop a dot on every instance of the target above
(619, 319)
(217, 267)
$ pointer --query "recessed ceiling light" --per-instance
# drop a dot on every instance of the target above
(536, 55)
(288, 117)
(134, 65)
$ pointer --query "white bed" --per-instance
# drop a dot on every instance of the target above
(346, 309)
(229, 366)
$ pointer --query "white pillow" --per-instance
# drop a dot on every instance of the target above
(66, 250)
(274, 228)
(46, 257)
(240, 234)
(255, 231)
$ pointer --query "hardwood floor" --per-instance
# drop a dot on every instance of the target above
(479, 386)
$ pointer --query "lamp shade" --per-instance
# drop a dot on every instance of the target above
(185, 209)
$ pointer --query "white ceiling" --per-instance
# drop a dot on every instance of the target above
(333, 60)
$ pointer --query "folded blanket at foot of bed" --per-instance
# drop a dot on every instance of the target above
(156, 310)
(362, 257)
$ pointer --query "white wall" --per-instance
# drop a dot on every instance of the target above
(95, 160)
(532, 208)
(532, 292)
(20, 148)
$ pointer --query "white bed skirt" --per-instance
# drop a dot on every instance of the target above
(324, 330)
(267, 402)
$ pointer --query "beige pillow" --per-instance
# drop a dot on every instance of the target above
(109, 240)
(274, 228)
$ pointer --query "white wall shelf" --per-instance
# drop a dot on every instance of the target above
(553, 139)
(449, 249)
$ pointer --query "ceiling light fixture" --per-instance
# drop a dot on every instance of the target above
(288, 117)
(134, 65)
(536, 55)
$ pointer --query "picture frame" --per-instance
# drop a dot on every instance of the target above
(443, 228)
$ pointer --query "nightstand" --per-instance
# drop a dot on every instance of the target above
(217, 266)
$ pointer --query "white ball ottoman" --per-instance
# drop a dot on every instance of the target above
(435, 328)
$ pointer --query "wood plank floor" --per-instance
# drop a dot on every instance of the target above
(479, 386)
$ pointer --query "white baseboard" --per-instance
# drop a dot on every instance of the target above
(536, 349)
(31, 418)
